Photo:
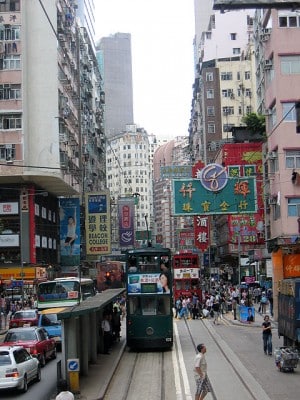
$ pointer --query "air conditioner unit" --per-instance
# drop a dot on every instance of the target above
(268, 112)
(272, 201)
(61, 37)
(272, 155)
(268, 64)
(266, 31)
(264, 37)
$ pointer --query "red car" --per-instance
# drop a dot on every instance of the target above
(24, 318)
(35, 340)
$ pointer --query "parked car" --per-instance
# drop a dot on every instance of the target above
(36, 340)
(24, 318)
(48, 320)
(18, 368)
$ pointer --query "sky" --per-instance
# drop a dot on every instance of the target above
(162, 33)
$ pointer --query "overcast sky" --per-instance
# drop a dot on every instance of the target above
(162, 33)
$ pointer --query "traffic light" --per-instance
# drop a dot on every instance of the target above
(107, 278)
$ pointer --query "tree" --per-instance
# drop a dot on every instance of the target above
(256, 123)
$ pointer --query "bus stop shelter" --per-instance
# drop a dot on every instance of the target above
(81, 331)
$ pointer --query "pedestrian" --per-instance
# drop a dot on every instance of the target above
(64, 393)
(267, 335)
(270, 299)
(200, 370)
(263, 303)
(216, 311)
(116, 324)
(106, 332)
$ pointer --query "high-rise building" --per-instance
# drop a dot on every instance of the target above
(51, 116)
(114, 57)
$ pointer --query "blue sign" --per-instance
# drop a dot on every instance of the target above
(73, 365)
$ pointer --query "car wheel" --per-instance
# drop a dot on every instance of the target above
(42, 360)
(38, 374)
(25, 385)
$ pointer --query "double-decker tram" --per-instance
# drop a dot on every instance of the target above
(186, 275)
(149, 322)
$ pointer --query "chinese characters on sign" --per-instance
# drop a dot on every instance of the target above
(201, 232)
(97, 223)
(126, 221)
(216, 192)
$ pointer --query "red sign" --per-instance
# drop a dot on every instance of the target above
(201, 231)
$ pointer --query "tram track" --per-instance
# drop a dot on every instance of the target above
(214, 338)
(139, 374)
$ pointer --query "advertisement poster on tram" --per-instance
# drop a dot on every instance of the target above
(148, 284)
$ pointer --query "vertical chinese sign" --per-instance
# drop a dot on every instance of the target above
(201, 232)
(69, 213)
(97, 223)
(126, 221)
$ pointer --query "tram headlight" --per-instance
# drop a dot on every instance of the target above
(149, 331)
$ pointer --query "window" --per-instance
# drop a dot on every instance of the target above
(228, 110)
(211, 128)
(10, 5)
(238, 76)
(294, 207)
(236, 50)
(7, 152)
(228, 93)
(210, 94)
(10, 62)
(226, 76)
(289, 111)
(247, 75)
(292, 159)
(291, 21)
(233, 36)
(208, 35)
(290, 65)
(10, 92)
(211, 111)
(10, 121)
(209, 76)
(248, 110)
(248, 92)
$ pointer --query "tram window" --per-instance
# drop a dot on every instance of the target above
(149, 306)
(163, 306)
(134, 305)
(187, 285)
(195, 283)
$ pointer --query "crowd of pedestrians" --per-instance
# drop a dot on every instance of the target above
(9, 305)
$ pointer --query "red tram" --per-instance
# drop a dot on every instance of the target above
(186, 275)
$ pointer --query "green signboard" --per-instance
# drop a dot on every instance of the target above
(214, 193)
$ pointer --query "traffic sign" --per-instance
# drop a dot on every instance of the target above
(73, 364)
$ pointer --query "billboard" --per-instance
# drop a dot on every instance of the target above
(69, 215)
(242, 4)
(126, 221)
(97, 223)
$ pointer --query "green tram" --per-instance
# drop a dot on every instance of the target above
(149, 322)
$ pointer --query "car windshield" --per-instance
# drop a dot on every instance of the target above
(20, 336)
(5, 358)
(24, 314)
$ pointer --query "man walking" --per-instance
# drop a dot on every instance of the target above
(200, 370)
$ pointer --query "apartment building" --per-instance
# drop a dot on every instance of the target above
(51, 124)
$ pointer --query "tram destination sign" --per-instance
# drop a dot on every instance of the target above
(242, 4)
(196, 197)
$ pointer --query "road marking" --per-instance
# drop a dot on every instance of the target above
(187, 389)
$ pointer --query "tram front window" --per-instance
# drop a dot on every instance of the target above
(134, 305)
(163, 306)
(149, 306)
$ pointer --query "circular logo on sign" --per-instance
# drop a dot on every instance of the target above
(213, 177)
